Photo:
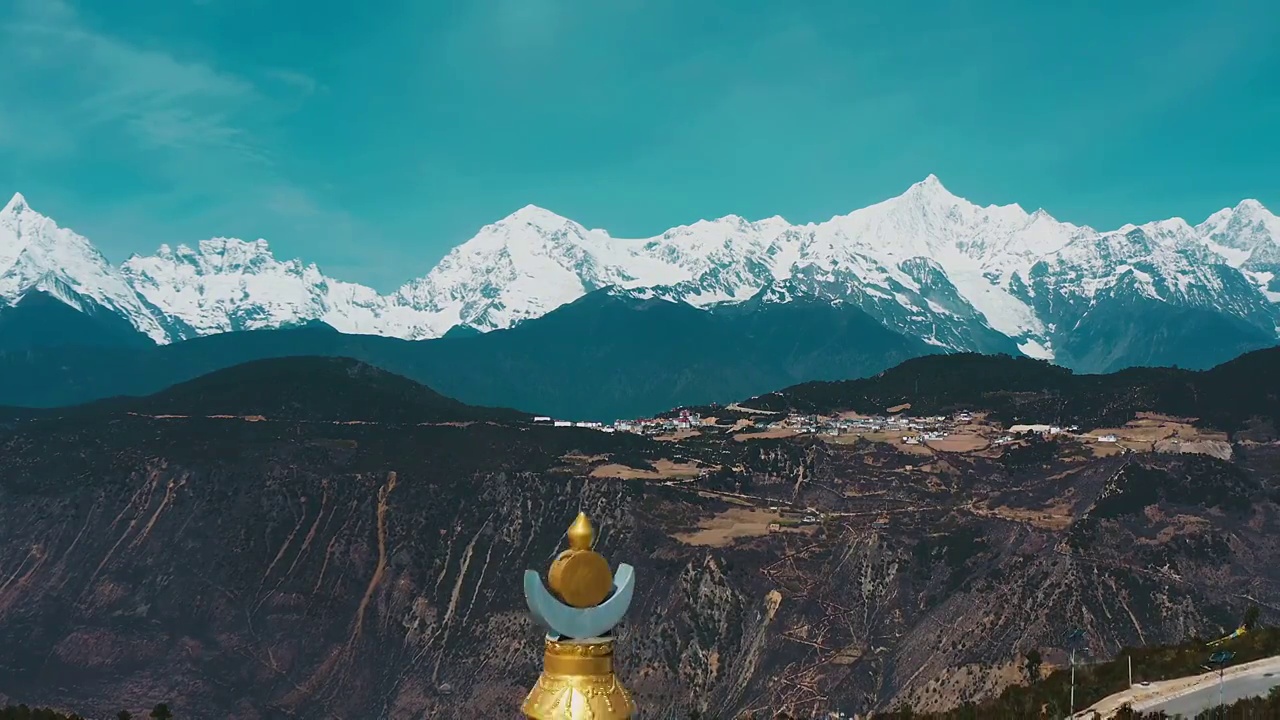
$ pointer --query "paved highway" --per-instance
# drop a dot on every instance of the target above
(1233, 689)
(1192, 694)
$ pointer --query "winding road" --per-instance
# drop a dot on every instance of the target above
(1190, 695)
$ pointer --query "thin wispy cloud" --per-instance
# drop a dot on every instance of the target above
(152, 96)
(305, 84)
(197, 134)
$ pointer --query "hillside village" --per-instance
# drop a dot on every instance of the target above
(896, 427)
(925, 437)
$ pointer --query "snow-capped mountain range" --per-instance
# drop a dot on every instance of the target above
(925, 263)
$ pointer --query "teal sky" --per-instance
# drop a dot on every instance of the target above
(371, 138)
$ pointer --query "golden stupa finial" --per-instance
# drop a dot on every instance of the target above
(585, 603)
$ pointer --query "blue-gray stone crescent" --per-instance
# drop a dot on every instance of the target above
(579, 623)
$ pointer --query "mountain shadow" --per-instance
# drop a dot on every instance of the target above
(613, 354)
(1140, 332)
(39, 320)
(601, 357)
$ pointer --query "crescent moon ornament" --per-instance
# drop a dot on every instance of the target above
(579, 623)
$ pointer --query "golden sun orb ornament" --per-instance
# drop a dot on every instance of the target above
(586, 601)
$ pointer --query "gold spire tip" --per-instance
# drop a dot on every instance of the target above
(581, 533)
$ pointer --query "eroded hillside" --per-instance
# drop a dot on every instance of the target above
(255, 567)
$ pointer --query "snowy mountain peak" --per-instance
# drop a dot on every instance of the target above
(728, 223)
(26, 235)
(1247, 235)
(216, 255)
(224, 245)
(36, 254)
(16, 204)
(1245, 212)
(930, 189)
(929, 202)
(1173, 230)
(931, 181)
(1249, 205)
(535, 216)
(228, 284)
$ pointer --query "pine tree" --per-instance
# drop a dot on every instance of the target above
(1032, 665)
(124, 715)
(1251, 617)
(161, 712)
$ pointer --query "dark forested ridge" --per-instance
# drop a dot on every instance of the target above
(22, 712)
(1243, 394)
(311, 389)
(601, 357)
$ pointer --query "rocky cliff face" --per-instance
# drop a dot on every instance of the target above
(257, 568)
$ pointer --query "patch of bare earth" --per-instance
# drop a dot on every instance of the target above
(1098, 449)
(580, 458)
(920, 449)
(892, 439)
(1179, 525)
(1215, 448)
(1052, 517)
(735, 407)
(678, 435)
(898, 408)
(775, 433)
(844, 439)
(1162, 433)
(1160, 417)
(662, 470)
(730, 525)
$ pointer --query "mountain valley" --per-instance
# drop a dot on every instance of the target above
(315, 537)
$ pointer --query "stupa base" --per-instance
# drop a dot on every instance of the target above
(577, 683)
